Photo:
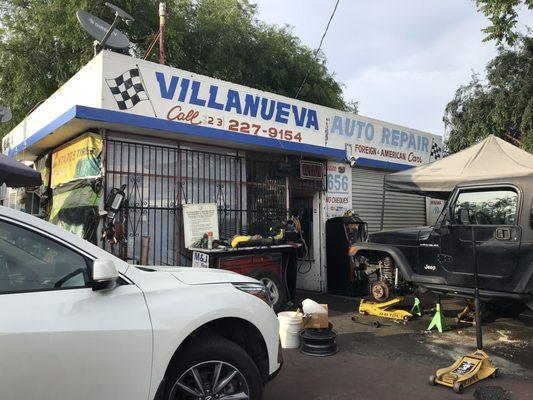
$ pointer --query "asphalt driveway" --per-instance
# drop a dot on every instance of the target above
(395, 360)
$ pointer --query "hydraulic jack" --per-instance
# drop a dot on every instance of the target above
(474, 367)
(383, 309)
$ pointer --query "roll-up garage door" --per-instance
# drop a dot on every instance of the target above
(367, 196)
(384, 210)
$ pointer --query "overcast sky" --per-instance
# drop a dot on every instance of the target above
(402, 60)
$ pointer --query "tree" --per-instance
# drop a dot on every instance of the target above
(42, 46)
(503, 17)
(501, 105)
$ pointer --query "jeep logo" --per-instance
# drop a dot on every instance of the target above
(430, 267)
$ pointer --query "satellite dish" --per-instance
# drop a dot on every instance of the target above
(98, 29)
(128, 19)
(5, 114)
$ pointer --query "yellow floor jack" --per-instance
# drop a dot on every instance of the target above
(470, 368)
(384, 309)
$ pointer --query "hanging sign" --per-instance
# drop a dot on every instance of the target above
(200, 260)
(311, 170)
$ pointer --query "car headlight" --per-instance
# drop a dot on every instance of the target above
(255, 289)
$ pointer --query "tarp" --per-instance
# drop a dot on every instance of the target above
(15, 174)
(75, 207)
(490, 160)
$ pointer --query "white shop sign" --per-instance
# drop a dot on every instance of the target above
(176, 95)
(200, 260)
(198, 219)
(339, 189)
(434, 208)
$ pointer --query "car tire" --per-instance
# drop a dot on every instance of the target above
(276, 289)
(204, 355)
(506, 308)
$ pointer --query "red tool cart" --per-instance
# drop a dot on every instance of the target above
(275, 266)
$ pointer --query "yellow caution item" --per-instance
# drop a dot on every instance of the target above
(465, 371)
(383, 309)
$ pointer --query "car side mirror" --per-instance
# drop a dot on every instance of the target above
(105, 274)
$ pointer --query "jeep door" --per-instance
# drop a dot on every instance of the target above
(487, 216)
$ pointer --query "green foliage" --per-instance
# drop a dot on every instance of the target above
(503, 18)
(42, 46)
(502, 105)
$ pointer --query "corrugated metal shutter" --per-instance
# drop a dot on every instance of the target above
(403, 210)
(367, 195)
(400, 209)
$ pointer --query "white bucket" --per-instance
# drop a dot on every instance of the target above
(290, 324)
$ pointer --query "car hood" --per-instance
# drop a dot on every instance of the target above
(403, 236)
(200, 276)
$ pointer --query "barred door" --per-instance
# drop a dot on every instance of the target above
(159, 179)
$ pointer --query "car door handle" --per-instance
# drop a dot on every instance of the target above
(502, 234)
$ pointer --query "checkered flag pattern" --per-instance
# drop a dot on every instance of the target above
(127, 89)
(436, 151)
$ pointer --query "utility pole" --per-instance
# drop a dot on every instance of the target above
(162, 38)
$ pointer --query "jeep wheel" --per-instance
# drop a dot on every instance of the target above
(213, 368)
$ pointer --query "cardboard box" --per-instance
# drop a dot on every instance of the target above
(318, 320)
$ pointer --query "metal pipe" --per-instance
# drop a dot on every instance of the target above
(477, 305)
(162, 34)
(145, 247)
(109, 31)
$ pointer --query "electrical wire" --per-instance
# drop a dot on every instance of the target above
(318, 48)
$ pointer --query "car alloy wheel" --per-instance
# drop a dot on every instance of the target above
(271, 288)
(211, 380)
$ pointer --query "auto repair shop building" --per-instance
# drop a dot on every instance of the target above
(174, 137)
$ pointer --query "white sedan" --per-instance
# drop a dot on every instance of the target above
(78, 323)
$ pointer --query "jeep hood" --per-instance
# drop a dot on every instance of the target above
(200, 276)
(403, 236)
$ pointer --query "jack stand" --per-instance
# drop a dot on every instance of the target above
(381, 309)
(474, 367)
(415, 310)
(438, 321)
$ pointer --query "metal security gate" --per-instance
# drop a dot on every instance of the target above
(383, 209)
(159, 179)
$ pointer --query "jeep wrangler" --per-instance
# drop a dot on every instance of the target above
(487, 223)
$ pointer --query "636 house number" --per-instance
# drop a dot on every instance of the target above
(256, 129)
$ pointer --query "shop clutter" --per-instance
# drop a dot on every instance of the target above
(274, 234)
(270, 256)
(308, 329)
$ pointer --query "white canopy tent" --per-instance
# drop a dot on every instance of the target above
(493, 159)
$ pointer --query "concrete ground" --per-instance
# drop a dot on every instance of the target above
(394, 361)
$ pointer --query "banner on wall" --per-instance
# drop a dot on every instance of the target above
(77, 159)
(339, 189)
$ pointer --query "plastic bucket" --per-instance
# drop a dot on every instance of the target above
(290, 325)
